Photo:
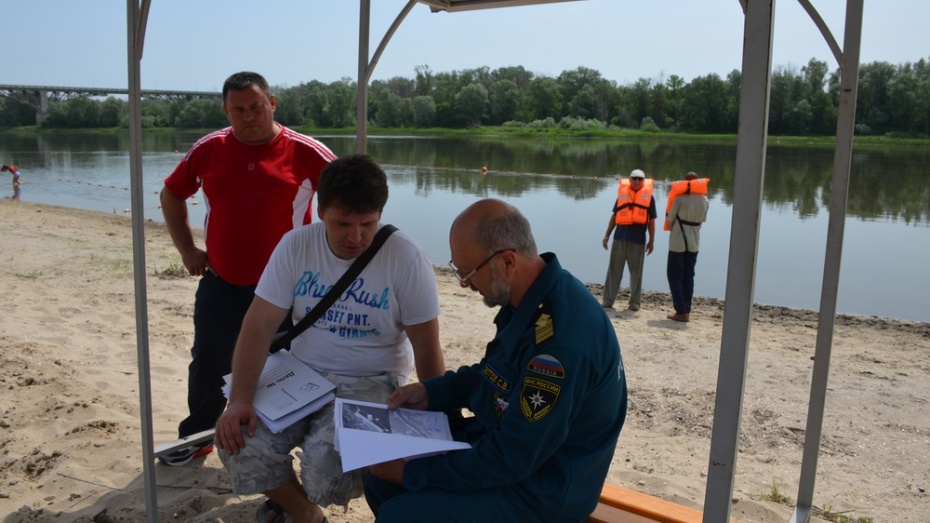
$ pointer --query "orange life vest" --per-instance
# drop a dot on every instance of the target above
(697, 186)
(633, 207)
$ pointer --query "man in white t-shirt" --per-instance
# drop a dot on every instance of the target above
(367, 343)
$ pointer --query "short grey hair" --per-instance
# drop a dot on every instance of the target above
(510, 231)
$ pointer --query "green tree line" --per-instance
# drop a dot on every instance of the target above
(893, 100)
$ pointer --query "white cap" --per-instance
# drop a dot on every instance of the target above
(637, 173)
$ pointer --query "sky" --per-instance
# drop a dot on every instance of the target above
(195, 44)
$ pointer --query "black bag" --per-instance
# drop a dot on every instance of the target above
(279, 342)
(282, 340)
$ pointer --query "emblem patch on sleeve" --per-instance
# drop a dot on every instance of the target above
(548, 365)
(538, 398)
(544, 329)
(501, 404)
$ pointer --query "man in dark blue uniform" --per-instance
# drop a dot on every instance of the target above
(549, 397)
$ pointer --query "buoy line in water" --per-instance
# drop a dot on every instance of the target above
(483, 171)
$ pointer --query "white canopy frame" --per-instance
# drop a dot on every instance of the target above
(752, 140)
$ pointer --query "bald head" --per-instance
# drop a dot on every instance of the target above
(491, 225)
(493, 234)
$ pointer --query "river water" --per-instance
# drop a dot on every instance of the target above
(566, 187)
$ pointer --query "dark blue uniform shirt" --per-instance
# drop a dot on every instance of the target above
(549, 401)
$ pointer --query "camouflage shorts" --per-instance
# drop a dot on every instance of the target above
(266, 463)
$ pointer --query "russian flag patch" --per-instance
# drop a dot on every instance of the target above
(547, 365)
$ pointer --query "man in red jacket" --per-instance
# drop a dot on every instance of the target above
(258, 179)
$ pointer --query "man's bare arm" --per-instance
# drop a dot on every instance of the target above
(427, 351)
(174, 210)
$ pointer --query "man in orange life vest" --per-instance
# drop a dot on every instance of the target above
(687, 210)
(632, 217)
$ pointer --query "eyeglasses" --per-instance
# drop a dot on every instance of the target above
(464, 279)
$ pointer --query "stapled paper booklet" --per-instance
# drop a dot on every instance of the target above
(288, 390)
(369, 433)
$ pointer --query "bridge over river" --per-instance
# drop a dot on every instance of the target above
(38, 96)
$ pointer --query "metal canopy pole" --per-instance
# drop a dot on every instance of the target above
(361, 88)
(744, 243)
(842, 161)
(365, 68)
(137, 18)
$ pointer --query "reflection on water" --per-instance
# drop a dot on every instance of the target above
(886, 182)
(566, 188)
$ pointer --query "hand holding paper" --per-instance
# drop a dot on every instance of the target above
(370, 433)
(287, 390)
(411, 396)
(389, 471)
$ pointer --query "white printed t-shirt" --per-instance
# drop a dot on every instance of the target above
(362, 334)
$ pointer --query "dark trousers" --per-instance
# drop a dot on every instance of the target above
(391, 503)
(680, 272)
(219, 308)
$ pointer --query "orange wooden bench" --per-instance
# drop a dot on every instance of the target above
(622, 505)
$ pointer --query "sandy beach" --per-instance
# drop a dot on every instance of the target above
(69, 415)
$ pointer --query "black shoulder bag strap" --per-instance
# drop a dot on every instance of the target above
(284, 340)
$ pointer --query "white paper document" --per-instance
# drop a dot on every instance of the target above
(369, 433)
(287, 390)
